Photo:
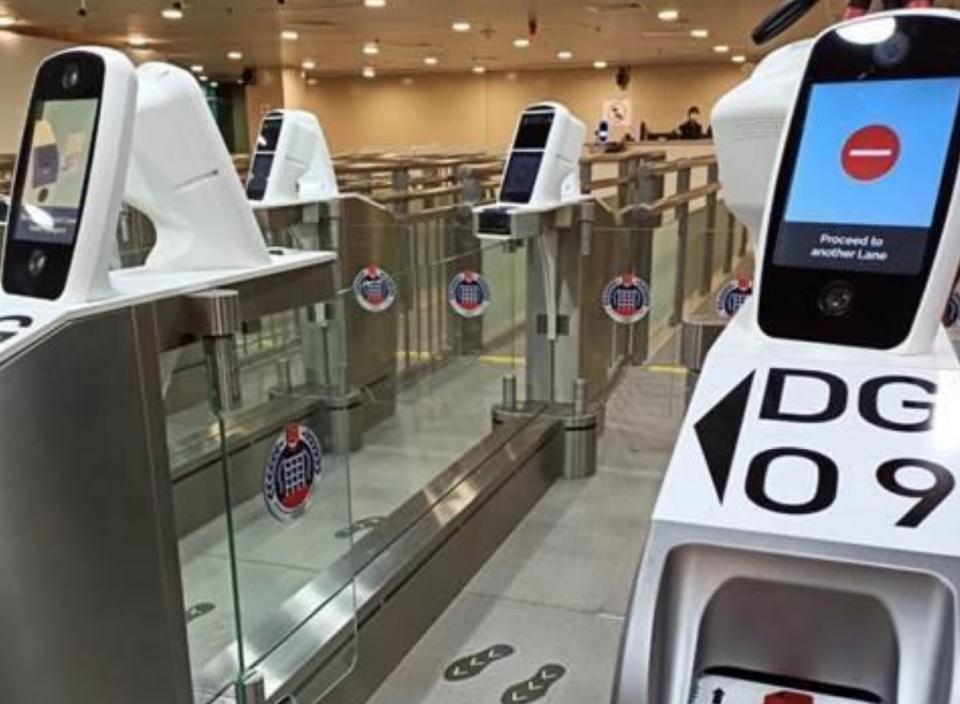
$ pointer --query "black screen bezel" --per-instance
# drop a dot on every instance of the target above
(49, 86)
(884, 305)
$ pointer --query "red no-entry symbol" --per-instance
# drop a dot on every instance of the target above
(871, 152)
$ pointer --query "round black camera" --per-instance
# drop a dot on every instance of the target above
(70, 77)
(836, 299)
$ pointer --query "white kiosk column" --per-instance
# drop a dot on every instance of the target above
(804, 547)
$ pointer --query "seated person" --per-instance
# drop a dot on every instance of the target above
(691, 129)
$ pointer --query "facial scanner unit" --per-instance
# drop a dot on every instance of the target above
(80, 124)
(99, 132)
(187, 196)
(542, 173)
(81, 357)
(804, 543)
(292, 163)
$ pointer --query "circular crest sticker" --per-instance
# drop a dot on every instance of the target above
(732, 296)
(374, 289)
(626, 299)
(469, 294)
(952, 313)
(293, 468)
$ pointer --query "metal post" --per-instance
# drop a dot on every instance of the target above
(251, 689)
(731, 245)
(510, 392)
(471, 188)
(683, 226)
(580, 397)
(401, 184)
(711, 234)
(586, 177)
(623, 187)
(217, 320)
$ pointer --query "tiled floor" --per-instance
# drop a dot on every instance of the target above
(557, 589)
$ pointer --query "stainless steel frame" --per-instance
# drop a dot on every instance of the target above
(91, 587)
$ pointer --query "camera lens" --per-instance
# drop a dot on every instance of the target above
(893, 51)
(836, 299)
(70, 77)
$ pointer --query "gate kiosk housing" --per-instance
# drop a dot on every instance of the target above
(542, 174)
(292, 161)
(89, 542)
(292, 187)
(804, 544)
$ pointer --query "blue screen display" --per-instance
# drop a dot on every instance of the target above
(868, 174)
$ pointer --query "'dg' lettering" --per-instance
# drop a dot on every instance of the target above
(835, 405)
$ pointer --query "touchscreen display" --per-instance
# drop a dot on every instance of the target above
(59, 152)
(534, 131)
(521, 177)
(270, 134)
(868, 175)
(259, 175)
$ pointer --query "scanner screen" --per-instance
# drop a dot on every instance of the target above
(259, 175)
(869, 175)
(521, 177)
(534, 131)
(59, 153)
(269, 134)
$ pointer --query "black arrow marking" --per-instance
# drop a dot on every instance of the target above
(472, 665)
(719, 430)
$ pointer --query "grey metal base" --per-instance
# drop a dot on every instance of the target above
(580, 432)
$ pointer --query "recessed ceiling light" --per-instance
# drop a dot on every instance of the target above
(431, 60)
(137, 40)
(371, 49)
(290, 35)
(721, 48)
(214, 84)
(699, 33)
(461, 26)
(375, 3)
(407, 81)
(521, 42)
(7, 20)
(369, 72)
(203, 79)
(599, 64)
(234, 55)
(309, 65)
(173, 13)
(312, 81)
(564, 55)
(668, 15)
(197, 68)
(738, 59)
(479, 69)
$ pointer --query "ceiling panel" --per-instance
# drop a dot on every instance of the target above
(332, 32)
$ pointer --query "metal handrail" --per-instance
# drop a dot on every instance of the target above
(672, 202)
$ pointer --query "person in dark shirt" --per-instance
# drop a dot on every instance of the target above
(691, 129)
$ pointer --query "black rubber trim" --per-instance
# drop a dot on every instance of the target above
(833, 690)
(781, 19)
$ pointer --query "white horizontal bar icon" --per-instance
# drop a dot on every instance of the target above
(871, 152)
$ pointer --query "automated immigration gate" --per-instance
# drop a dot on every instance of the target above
(804, 546)
(540, 210)
(293, 190)
(92, 593)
